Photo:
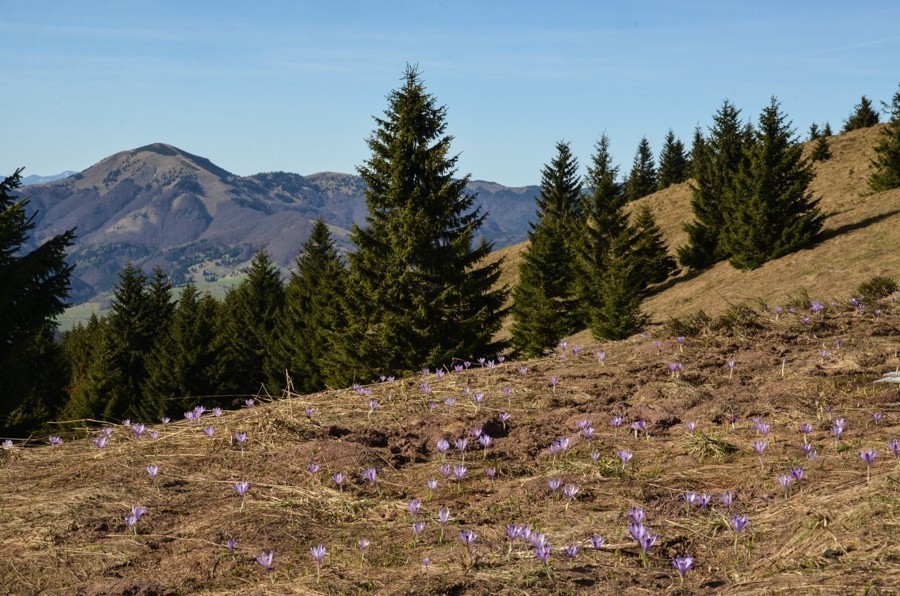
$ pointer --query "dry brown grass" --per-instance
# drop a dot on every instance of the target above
(62, 508)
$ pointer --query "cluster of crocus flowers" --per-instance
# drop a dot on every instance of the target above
(640, 533)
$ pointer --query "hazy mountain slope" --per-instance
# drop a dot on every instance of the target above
(161, 206)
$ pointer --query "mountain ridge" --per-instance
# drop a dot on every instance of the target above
(159, 205)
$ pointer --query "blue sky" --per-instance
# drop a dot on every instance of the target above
(268, 85)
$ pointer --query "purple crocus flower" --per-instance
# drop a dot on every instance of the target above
(690, 498)
(738, 523)
(797, 473)
(217, 412)
(868, 456)
(805, 429)
(785, 480)
(763, 428)
(265, 559)
(55, 441)
(616, 422)
(459, 472)
(727, 498)
(209, 431)
(554, 381)
(309, 411)
(601, 357)
(625, 456)
(241, 489)
(759, 447)
(417, 528)
(153, 470)
(442, 447)
(703, 500)
(249, 402)
(691, 426)
(363, 544)
(468, 536)
(449, 402)
(730, 365)
(683, 564)
(554, 484)
(312, 468)
(644, 539)
(491, 473)
(570, 490)
(371, 475)
(107, 430)
(232, 544)
(138, 429)
(414, 507)
(165, 420)
(444, 469)
(338, 479)
(241, 438)
(431, 484)
(571, 551)
(318, 553)
(597, 541)
(461, 445)
(443, 518)
(127, 423)
(542, 552)
(877, 417)
(894, 446)
(100, 441)
(503, 417)
(485, 441)
(130, 521)
(636, 514)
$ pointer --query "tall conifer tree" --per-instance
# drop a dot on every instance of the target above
(246, 329)
(33, 290)
(421, 294)
(618, 312)
(642, 178)
(653, 263)
(774, 213)
(182, 366)
(312, 313)
(673, 162)
(715, 170)
(545, 301)
(604, 220)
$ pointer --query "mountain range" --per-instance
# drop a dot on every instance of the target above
(160, 206)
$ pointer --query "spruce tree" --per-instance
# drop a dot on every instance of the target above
(312, 313)
(246, 329)
(862, 116)
(33, 289)
(826, 130)
(821, 150)
(182, 366)
(642, 178)
(673, 162)
(618, 313)
(131, 338)
(98, 393)
(774, 214)
(422, 295)
(715, 170)
(887, 152)
(653, 263)
(604, 219)
(545, 301)
(698, 146)
(814, 132)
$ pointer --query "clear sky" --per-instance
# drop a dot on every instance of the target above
(293, 85)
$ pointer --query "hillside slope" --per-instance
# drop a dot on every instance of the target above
(831, 530)
(860, 237)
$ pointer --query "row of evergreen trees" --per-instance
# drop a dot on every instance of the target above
(586, 264)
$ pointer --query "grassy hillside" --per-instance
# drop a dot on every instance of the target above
(63, 508)
(860, 237)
